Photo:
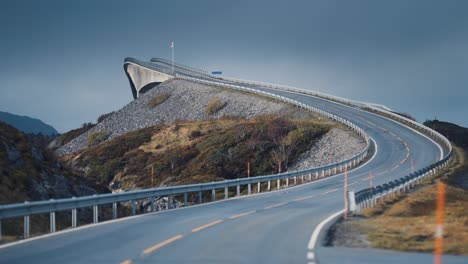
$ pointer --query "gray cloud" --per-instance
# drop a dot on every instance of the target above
(62, 60)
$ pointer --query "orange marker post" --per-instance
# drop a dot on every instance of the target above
(345, 215)
(440, 214)
(152, 176)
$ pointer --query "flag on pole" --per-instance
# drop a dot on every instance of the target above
(172, 45)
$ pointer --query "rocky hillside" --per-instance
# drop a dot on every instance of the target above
(199, 151)
(30, 172)
(177, 100)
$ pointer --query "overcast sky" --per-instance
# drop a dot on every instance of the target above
(62, 61)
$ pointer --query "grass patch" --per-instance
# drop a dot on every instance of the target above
(97, 137)
(214, 105)
(158, 99)
(408, 223)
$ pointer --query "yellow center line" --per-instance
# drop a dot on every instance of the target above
(330, 191)
(304, 198)
(243, 214)
(353, 183)
(162, 244)
(128, 261)
(196, 229)
(273, 206)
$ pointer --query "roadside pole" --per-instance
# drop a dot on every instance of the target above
(439, 232)
(345, 214)
(152, 176)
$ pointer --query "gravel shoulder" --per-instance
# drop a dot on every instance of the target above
(335, 146)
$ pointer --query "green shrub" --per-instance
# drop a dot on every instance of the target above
(97, 137)
(158, 99)
(195, 134)
(214, 105)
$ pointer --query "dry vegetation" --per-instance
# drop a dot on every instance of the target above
(97, 137)
(159, 99)
(408, 222)
(214, 105)
(200, 151)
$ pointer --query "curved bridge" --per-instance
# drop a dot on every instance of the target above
(282, 226)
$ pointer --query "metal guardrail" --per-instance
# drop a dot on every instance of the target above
(27, 209)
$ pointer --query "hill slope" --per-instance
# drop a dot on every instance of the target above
(29, 172)
(27, 124)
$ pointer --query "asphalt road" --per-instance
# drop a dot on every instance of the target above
(273, 227)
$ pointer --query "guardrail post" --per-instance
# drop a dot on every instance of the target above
(334, 170)
(52, 222)
(226, 193)
(269, 186)
(153, 204)
(295, 180)
(287, 182)
(258, 187)
(26, 226)
(185, 199)
(278, 184)
(316, 175)
(238, 190)
(249, 189)
(169, 202)
(351, 202)
(74, 222)
(133, 207)
(323, 173)
(302, 178)
(114, 210)
(213, 195)
(200, 198)
(95, 214)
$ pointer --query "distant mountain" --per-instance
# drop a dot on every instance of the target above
(27, 124)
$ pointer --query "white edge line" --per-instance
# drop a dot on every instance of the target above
(318, 229)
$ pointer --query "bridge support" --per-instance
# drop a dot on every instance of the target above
(142, 78)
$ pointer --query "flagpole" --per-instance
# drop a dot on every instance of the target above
(172, 46)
